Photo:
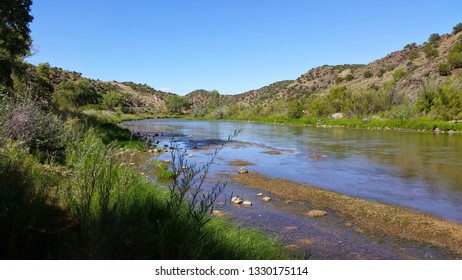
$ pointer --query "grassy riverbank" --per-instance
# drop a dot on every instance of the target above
(67, 193)
(419, 125)
(380, 218)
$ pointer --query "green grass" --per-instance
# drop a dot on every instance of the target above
(95, 208)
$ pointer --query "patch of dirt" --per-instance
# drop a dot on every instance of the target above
(240, 163)
(272, 152)
(376, 217)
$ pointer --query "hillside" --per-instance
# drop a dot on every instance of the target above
(417, 67)
(418, 81)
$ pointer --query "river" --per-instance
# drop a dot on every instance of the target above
(421, 171)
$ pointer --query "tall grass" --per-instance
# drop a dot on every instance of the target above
(94, 207)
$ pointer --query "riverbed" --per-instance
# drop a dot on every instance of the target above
(420, 171)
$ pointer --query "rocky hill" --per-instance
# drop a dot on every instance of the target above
(408, 69)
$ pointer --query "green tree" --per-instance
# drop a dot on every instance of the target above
(75, 94)
(113, 99)
(457, 28)
(295, 109)
(435, 37)
(15, 37)
(176, 104)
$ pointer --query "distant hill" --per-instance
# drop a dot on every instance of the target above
(408, 68)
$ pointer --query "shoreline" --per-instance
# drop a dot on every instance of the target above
(376, 217)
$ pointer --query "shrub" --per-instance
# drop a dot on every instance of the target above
(455, 56)
(75, 94)
(220, 112)
(339, 79)
(381, 72)
(430, 49)
(410, 46)
(199, 112)
(398, 74)
(295, 110)
(176, 104)
(435, 37)
(443, 69)
(367, 74)
(113, 100)
(457, 28)
(413, 55)
(349, 77)
(40, 132)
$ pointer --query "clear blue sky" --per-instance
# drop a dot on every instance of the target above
(228, 45)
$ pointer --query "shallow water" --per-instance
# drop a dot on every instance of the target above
(421, 171)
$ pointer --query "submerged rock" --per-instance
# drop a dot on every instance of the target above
(218, 213)
(316, 213)
(317, 156)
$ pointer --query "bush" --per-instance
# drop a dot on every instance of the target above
(176, 104)
(295, 109)
(457, 28)
(443, 69)
(113, 100)
(398, 74)
(367, 74)
(38, 131)
(349, 77)
(75, 93)
(430, 49)
(455, 56)
(413, 55)
(435, 37)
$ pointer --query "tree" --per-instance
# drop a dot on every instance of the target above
(457, 28)
(15, 37)
(176, 104)
(435, 37)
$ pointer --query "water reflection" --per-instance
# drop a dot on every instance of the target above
(417, 170)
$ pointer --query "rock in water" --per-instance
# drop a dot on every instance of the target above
(236, 200)
(266, 198)
(243, 170)
(247, 203)
(259, 194)
(316, 213)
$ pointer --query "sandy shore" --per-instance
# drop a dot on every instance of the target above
(380, 218)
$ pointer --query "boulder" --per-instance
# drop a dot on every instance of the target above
(259, 194)
(243, 170)
(366, 120)
(266, 198)
(316, 213)
(337, 116)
